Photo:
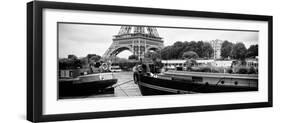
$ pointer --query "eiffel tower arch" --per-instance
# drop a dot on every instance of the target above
(136, 39)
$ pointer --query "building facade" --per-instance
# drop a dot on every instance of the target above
(216, 44)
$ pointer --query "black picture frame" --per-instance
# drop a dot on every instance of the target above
(34, 60)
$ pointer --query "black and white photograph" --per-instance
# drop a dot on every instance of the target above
(97, 60)
(89, 61)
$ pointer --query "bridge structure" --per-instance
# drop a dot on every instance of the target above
(136, 39)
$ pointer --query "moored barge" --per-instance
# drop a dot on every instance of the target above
(183, 82)
(86, 85)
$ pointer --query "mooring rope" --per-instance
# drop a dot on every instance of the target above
(119, 85)
(116, 85)
(123, 91)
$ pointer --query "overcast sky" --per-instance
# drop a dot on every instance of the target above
(82, 39)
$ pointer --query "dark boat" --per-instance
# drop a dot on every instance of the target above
(183, 82)
(86, 85)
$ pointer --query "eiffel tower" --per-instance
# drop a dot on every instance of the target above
(136, 39)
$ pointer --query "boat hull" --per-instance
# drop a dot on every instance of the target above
(74, 88)
(156, 86)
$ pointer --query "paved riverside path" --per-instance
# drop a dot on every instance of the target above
(125, 85)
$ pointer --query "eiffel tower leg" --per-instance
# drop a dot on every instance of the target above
(109, 51)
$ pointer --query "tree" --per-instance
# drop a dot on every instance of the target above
(239, 51)
(252, 51)
(133, 57)
(97, 64)
(73, 57)
(226, 49)
(190, 55)
(176, 51)
(167, 53)
(84, 62)
(70, 63)
(152, 55)
(190, 46)
(207, 50)
(94, 57)
(190, 63)
(199, 48)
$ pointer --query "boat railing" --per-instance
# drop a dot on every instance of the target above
(210, 74)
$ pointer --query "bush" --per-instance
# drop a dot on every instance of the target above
(190, 55)
(252, 70)
(216, 70)
(194, 69)
(229, 70)
(242, 70)
(206, 69)
(245, 70)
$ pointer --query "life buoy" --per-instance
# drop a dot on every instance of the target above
(104, 66)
